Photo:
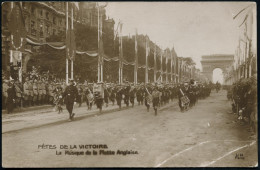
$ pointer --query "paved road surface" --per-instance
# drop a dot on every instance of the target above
(206, 135)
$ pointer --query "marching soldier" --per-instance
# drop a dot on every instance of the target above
(112, 94)
(70, 97)
(183, 91)
(140, 95)
(58, 97)
(132, 95)
(156, 99)
(89, 96)
(192, 93)
(35, 92)
(119, 94)
(106, 95)
(80, 94)
(99, 97)
(126, 93)
(148, 97)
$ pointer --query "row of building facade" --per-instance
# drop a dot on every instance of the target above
(43, 19)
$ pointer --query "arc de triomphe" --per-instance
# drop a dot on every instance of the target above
(211, 62)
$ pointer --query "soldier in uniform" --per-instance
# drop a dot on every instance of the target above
(35, 92)
(30, 97)
(112, 94)
(19, 93)
(80, 94)
(148, 97)
(50, 92)
(44, 92)
(89, 96)
(185, 90)
(156, 98)
(58, 97)
(5, 94)
(70, 96)
(40, 91)
(106, 95)
(132, 95)
(26, 92)
(127, 95)
(192, 93)
(119, 93)
(140, 95)
(11, 97)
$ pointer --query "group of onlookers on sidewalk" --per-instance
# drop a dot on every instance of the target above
(243, 95)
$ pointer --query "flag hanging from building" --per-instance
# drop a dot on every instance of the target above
(17, 27)
(70, 44)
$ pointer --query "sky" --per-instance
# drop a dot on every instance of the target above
(192, 28)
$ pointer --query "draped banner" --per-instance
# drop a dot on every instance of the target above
(17, 27)
(89, 53)
(49, 44)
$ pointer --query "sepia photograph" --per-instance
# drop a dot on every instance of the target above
(129, 84)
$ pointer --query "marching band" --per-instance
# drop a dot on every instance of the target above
(150, 94)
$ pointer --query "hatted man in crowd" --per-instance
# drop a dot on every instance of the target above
(70, 96)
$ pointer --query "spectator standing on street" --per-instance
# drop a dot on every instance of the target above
(19, 94)
(11, 97)
(4, 91)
